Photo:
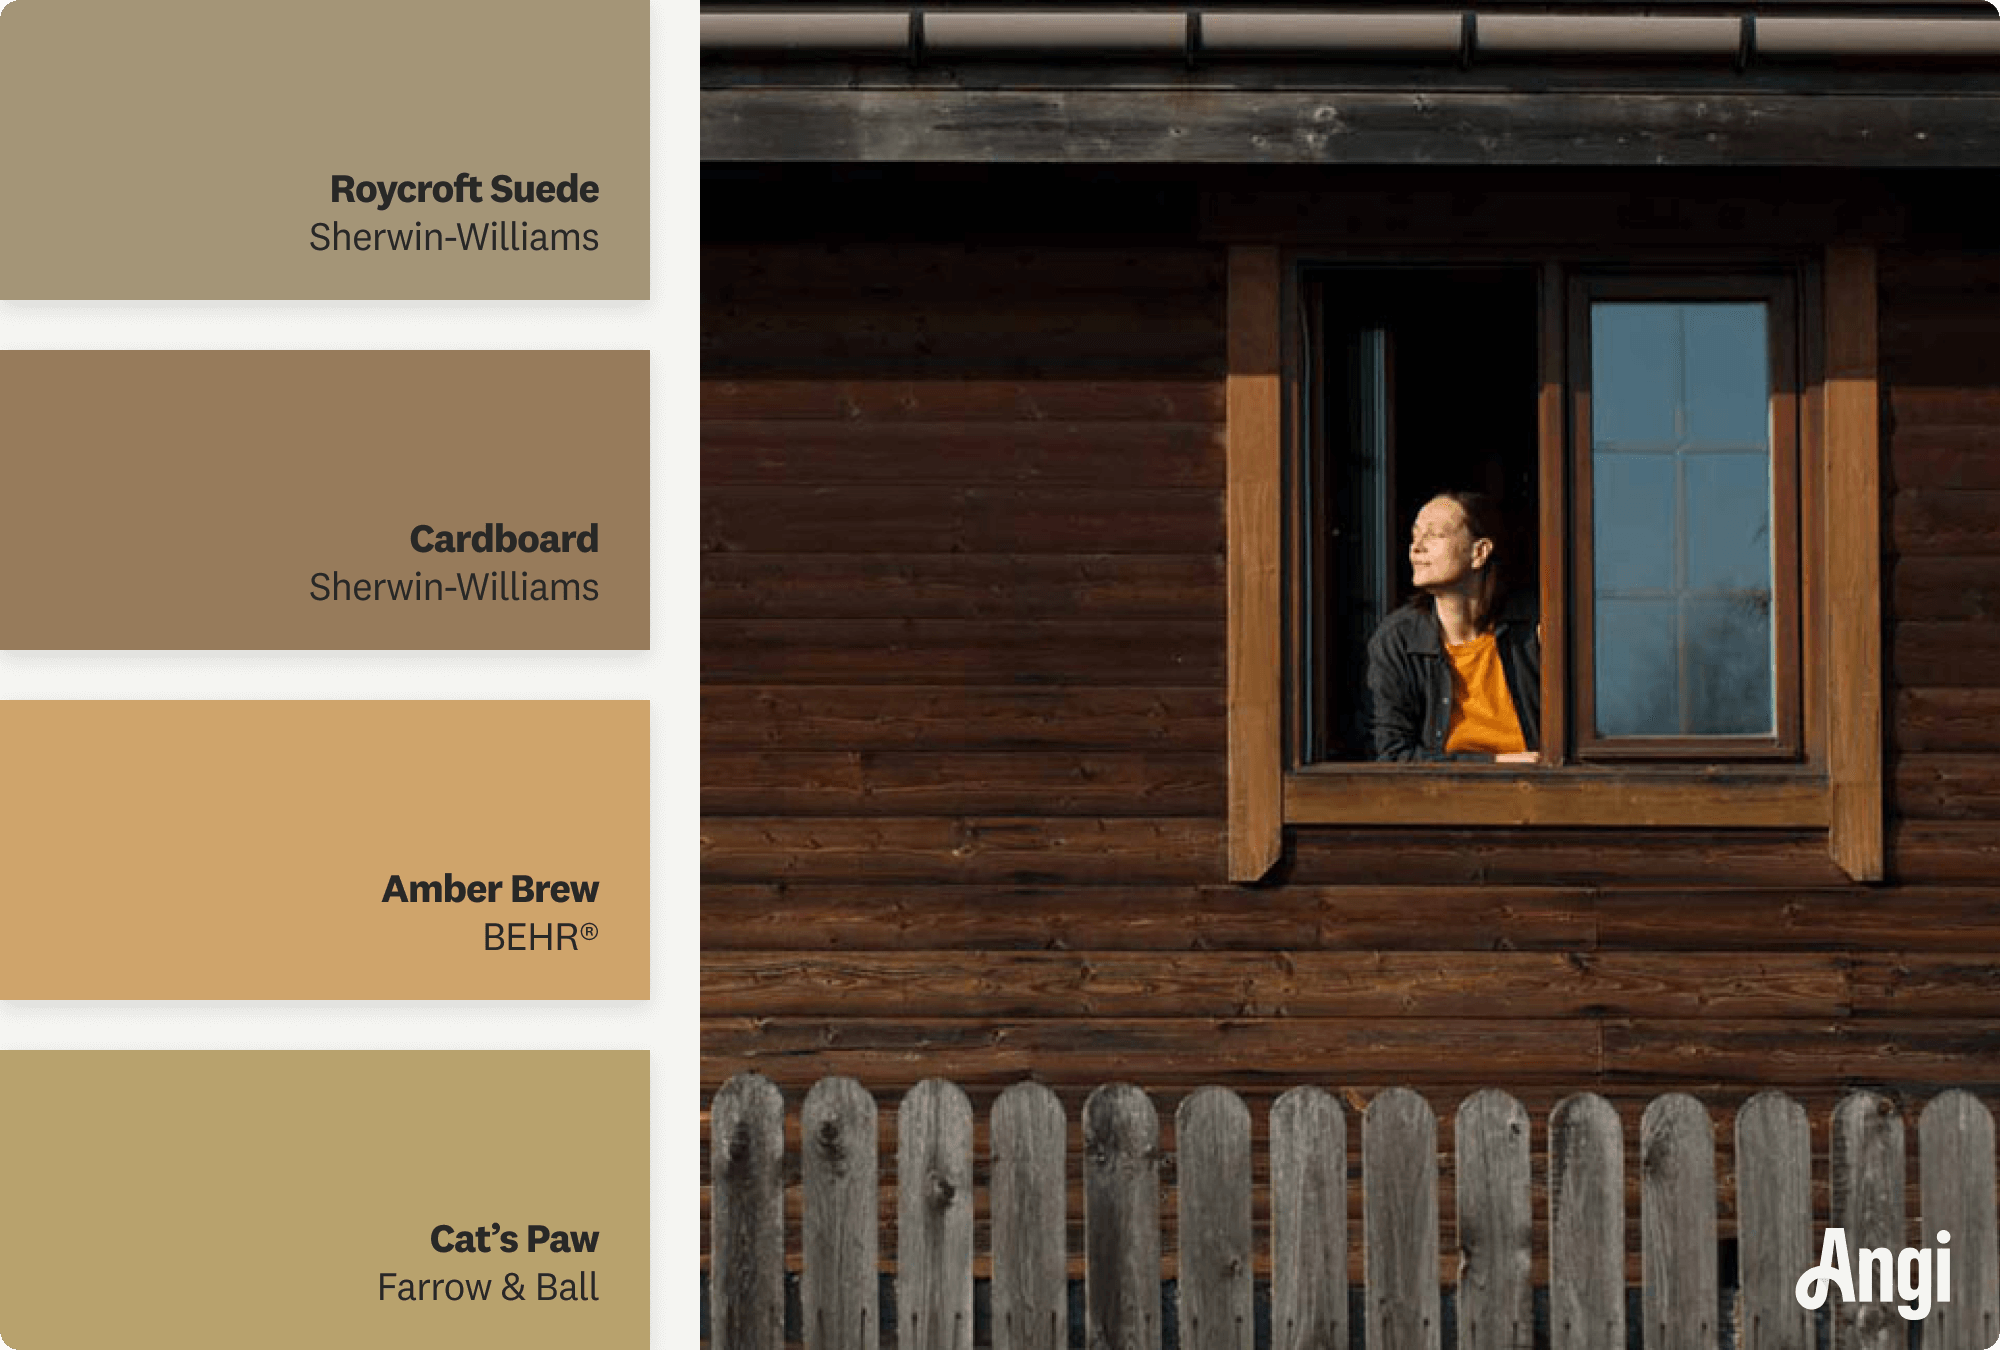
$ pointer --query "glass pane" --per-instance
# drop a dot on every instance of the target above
(1632, 522)
(1681, 519)
(1729, 666)
(1634, 374)
(1729, 522)
(1638, 677)
(1728, 380)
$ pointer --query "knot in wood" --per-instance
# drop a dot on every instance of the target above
(941, 1191)
(736, 1162)
(830, 1143)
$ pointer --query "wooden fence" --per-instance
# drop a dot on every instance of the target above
(1402, 1302)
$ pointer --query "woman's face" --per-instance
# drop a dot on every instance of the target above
(1443, 552)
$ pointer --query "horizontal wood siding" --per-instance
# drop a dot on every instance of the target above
(963, 735)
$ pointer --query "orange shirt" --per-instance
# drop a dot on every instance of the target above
(1482, 712)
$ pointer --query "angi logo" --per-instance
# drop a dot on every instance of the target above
(1878, 1274)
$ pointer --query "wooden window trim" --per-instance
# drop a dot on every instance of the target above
(1840, 791)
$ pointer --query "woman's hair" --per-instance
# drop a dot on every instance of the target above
(1483, 519)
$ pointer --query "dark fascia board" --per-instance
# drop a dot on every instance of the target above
(1433, 127)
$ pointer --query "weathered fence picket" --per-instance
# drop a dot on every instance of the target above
(1399, 1222)
(1677, 1224)
(1586, 1225)
(934, 1217)
(1217, 1300)
(747, 1250)
(1955, 1174)
(1029, 1213)
(837, 1287)
(1026, 1199)
(1308, 1222)
(1496, 1301)
(1774, 1237)
(1867, 1173)
(1121, 1220)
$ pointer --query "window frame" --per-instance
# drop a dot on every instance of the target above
(1835, 785)
(1790, 373)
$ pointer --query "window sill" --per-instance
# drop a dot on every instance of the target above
(1524, 795)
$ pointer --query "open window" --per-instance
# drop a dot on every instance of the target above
(1686, 455)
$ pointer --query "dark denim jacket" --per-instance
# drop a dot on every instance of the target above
(1409, 680)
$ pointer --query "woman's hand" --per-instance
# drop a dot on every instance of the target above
(1518, 757)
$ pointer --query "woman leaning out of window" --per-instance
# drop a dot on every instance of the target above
(1456, 673)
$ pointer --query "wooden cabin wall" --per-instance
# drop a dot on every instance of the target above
(962, 727)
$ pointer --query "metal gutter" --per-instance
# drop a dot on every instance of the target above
(1872, 40)
(1195, 34)
(770, 36)
(1055, 35)
(1346, 36)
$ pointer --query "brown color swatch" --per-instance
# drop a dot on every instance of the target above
(189, 499)
(242, 850)
(238, 1200)
(186, 150)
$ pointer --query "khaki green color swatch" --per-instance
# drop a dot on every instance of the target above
(188, 150)
(277, 499)
(241, 1200)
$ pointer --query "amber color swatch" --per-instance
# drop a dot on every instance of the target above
(188, 150)
(256, 499)
(242, 850)
(230, 1200)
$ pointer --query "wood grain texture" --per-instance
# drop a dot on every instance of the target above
(1867, 1172)
(1175, 653)
(1558, 857)
(1121, 1190)
(1272, 127)
(957, 519)
(1920, 984)
(1774, 1228)
(1255, 547)
(1399, 1189)
(1212, 1167)
(1495, 1223)
(976, 849)
(1677, 1224)
(877, 401)
(1002, 782)
(832, 915)
(1189, 1052)
(838, 1294)
(934, 1217)
(1029, 1190)
(997, 586)
(1027, 453)
(1500, 985)
(1944, 522)
(1853, 563)
(1961, 720)
(1586, 1224)
(1945, 787)
(946, 717)
(1800, 1054)
(1955, 1169)
(1568, 799)
(1945, 589)
(747, 1216)
(1308, 1221)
